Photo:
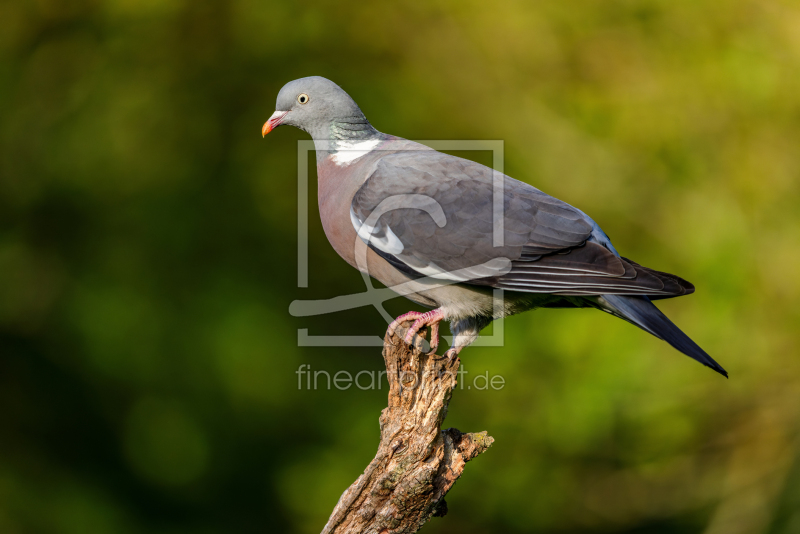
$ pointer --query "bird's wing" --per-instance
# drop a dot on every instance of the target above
(432, 214)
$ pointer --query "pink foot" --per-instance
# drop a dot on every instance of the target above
(431, 318)
(410, 316)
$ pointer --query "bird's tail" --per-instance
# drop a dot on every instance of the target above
(644, 314)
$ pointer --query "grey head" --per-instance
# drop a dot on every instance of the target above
(321, 108)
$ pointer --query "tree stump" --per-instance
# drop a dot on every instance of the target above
(417, 462)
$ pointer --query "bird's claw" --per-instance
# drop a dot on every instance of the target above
(403, 318)
(450, 354)
(421, 320)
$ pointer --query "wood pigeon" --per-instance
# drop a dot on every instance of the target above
(450, 231)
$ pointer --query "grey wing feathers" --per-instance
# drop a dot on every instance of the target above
(588, 270)
(549, 243)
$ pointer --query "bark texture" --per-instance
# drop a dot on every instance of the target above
(417, 463)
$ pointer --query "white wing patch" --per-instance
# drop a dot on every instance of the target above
(393, 243)
(384, 240)
(493, 267)
(348, 152)
(434, 271)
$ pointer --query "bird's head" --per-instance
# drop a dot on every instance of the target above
(312, 104)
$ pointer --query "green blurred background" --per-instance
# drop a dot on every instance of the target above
(148, 260)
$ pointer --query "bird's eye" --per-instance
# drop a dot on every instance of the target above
(302, 98)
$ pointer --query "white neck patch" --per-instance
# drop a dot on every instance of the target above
(347, 152)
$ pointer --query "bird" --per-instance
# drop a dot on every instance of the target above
(451, 232)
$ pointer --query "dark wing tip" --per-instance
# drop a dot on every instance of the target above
(717, 367)
(677, 285)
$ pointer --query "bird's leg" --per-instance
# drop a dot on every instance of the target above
(431, 318)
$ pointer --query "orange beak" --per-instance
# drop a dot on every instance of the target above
(273, 122)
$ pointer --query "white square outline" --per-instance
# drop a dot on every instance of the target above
(304, 146)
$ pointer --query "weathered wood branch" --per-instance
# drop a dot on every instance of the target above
(417, 462)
